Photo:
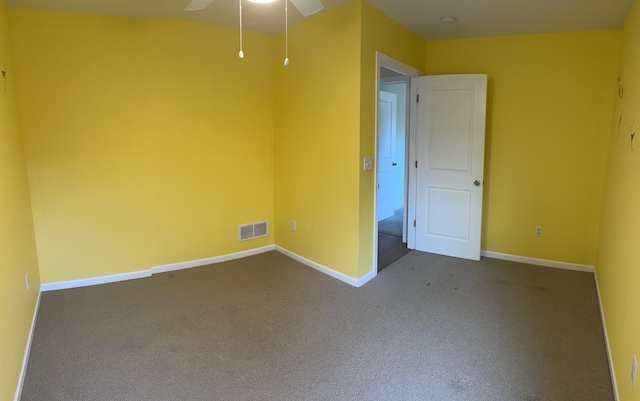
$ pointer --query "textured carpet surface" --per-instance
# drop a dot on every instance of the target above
(392, 225)
(268, 328)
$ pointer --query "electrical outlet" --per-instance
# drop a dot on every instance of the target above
(634, 371)
(26, 279)
(293, 225)
(539, 231)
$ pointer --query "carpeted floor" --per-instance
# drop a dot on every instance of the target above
(268, 328)
(392, 225)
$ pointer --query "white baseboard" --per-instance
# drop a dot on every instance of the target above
(326, 270)
(366, 278)
(606, 343)
(27, 351)
(85, 282)
(62, 285)
(538, 262)
(210, 261)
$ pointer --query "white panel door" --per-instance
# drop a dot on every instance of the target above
(386, 153)
(451, 129)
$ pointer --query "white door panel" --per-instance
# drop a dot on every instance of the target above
(450, 143)
(440, 222)
(450, 129)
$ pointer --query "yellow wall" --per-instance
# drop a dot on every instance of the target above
(379, 33)
(316, 138)
(148, 141)
(325, 126)
(617, 267)
(17, 241)
(549, 103)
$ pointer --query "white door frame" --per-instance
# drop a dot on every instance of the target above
(382, 60)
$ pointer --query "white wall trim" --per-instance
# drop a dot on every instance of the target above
(411, 73)
(606, 342)
(539, 262)
(27, 351)
(366, 278)
(396, 65)
(326, 270)
(85, 282)
(210, 261)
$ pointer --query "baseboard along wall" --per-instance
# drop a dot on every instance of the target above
(356, 282)
(63, 285)
(114, 278)
(538, 262)
(210, 261)
(27, 351)
(86, 282)
(606, 342)
(328, 271)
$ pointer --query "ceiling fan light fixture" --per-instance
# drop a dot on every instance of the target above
(286, 33)
(196, 5)
(308, 7)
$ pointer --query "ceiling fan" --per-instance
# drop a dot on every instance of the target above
(306, 8)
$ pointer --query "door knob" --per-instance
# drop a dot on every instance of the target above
(394, 164)
(476, 183)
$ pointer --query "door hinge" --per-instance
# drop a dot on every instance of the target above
(414, 223)
(416, 164)
(417, 98)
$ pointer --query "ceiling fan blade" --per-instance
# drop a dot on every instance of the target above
(198, 5)
(308, 7)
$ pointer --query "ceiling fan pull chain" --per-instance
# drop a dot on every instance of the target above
(241, 54)
(286, 33)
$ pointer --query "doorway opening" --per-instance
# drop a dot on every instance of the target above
(395, 127)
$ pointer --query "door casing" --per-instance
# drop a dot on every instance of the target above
(392, 64)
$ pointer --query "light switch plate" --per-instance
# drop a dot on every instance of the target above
(368, 163)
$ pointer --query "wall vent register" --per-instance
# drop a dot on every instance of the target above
(251, 231)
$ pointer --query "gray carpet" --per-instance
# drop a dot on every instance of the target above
(392, 225)
(268, 328)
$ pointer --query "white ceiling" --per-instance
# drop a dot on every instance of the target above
(474, 18)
